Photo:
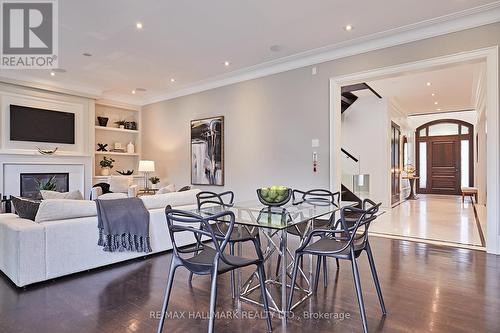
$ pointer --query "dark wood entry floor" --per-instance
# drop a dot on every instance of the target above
(427, 288)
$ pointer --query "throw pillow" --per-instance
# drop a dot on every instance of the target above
(25, 208)
(185, 188)
(73, 195)
(167, 189)
(120, 183)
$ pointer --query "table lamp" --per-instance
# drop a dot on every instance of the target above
(146, 167)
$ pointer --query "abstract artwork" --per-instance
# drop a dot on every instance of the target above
(207, 151)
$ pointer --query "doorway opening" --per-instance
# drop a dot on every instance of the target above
(454, 158)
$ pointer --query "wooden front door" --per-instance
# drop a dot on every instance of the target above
(444, 156)
(395, 163)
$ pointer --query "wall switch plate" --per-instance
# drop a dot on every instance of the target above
(314, 71)
(315, 143)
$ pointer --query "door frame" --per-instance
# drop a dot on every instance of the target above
(490, 56)
(397, 162)
(427, 138)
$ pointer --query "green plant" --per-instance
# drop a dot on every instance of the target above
(120, 122)
(107, 162)
(49, 185)
(154, 180)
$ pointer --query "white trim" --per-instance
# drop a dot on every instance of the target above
(490, 55)
(443, 25)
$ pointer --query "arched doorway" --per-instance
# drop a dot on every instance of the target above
(445, 156)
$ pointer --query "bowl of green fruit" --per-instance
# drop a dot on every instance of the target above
(274, 195)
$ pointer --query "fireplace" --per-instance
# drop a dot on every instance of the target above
(31, 183)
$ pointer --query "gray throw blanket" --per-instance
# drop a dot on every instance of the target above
(123, 225)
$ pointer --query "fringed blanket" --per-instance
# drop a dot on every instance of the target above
(123, 225)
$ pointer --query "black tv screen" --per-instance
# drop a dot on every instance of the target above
(39, 125)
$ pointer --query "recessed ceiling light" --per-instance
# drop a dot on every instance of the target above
(52, 73)
(86, 54)
(139, 25)
(428, 84)
(226, 63)
(348, 27)
(435, 103)
(172, 80)
(133, 92)
(433, 94)
(438, 109)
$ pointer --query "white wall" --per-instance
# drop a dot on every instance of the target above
(365, 135)
(270, 121)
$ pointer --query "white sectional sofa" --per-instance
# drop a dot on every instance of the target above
(61, 242)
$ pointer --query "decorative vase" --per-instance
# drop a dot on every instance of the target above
(104, 171)
(103, 121)
(130, 148)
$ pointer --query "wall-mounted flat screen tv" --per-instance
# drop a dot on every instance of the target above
(39, 125)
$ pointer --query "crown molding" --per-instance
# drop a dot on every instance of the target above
(443, 25)
(27, 82)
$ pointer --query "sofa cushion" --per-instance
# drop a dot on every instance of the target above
(112, 196)
(74, 195)
(174, 199)
(167, 189)
(63, 209)
(25, 208)
(120, 183)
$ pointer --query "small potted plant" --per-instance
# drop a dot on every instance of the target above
(155, 181)
(121, 123)
(106, 165)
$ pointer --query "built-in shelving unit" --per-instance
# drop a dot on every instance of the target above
(111, 133)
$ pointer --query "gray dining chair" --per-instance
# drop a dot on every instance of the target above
(203, 259)
(346, 243)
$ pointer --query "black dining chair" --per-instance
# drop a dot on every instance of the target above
(225, 200)
(207, 260)
(346, 243)
(316, 197)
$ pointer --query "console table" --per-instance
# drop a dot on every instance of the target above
(412, 195)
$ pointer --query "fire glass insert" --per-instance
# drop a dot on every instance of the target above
(32, 183)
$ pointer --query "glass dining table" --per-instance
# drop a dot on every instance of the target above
(274, 224)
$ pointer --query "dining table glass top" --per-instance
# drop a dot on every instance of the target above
(255, 214)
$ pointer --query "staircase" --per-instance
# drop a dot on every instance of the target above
(348, 191)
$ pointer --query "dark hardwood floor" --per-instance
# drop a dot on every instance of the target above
(427, 288)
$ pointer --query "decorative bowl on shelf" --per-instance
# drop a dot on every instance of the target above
(125, 172)
(274, 196)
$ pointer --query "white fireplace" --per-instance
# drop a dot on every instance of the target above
(12, 175)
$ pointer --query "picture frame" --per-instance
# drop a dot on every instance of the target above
(207, 151)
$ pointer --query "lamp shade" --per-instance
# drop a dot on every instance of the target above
(146, 166)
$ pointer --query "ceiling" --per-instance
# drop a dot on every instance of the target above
(190, 40)
(454, 88)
